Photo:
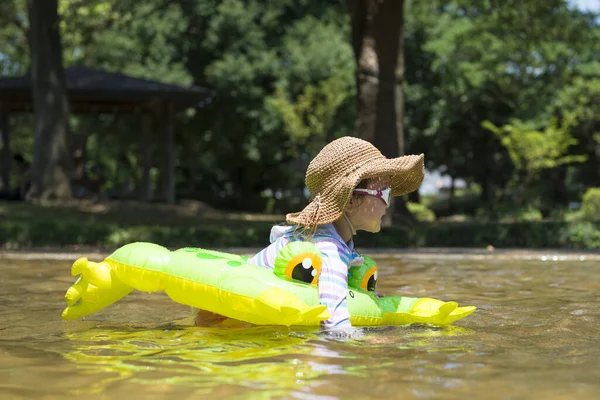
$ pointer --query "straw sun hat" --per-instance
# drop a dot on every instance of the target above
(334, 173)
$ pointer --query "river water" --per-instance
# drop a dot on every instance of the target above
(535, 334)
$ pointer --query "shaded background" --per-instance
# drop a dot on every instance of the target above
(502, 97)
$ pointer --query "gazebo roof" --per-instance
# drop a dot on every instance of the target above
(96, 90)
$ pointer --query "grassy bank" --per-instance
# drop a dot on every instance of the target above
(113, 224)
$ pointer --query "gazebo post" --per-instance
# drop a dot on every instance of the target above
(146, 147)
(168, 170)
(6, 151)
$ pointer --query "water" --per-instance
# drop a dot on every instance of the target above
(535, 335)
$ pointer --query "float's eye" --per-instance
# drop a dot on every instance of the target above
(304, 271)
(305, 268)
(369, 281)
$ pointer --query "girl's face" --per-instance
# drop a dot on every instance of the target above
(366, 211)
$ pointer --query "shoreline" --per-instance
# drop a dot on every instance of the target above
(458, 253)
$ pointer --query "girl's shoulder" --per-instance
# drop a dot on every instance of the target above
(326, 236)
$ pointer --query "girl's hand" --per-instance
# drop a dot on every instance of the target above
(207, 318)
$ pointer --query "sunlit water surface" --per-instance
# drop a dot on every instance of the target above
(535, 335)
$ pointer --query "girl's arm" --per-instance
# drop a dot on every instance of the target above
(333, 285)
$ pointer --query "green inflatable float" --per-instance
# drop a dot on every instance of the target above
(225, 284)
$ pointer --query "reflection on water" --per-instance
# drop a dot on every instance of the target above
(202, 359)
(534, 335)
(258, 358)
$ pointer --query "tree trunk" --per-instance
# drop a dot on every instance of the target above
(362, 14)
(51, 158)
(452, 195)
(146, 147)
(167, 172)
(378, 43)
(6, 155)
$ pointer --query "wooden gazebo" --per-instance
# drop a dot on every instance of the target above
(91, 90)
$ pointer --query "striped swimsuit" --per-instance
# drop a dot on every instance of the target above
(333, 281)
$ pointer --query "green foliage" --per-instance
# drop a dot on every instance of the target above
(313, 113)
(467, 204)
(25, 226)
(81, 21)
(526, 235)
(14, 53)
(281, 76)
(133, 38)
(474, 61)
(315, 83)
(421, 212)
(268, 64)
(539, 235)
(590, 204)
(584, 235)
(579, 99)
(533, 150)
(528, 213)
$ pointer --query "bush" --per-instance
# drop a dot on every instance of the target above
(585, 235)
(529, 213)
(421, 212)
(525, 234)
(590, 204)
(467, 204)
(31, 227)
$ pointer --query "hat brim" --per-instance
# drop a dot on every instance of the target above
(406, 175)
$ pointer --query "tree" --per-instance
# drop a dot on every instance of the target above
(378, 43)
(469, 61)
(534, 150)
(248, 53)
(51, 158)
(284, 78)
(13, 38)
(257, 56)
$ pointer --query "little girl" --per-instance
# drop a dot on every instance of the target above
(351, 184)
